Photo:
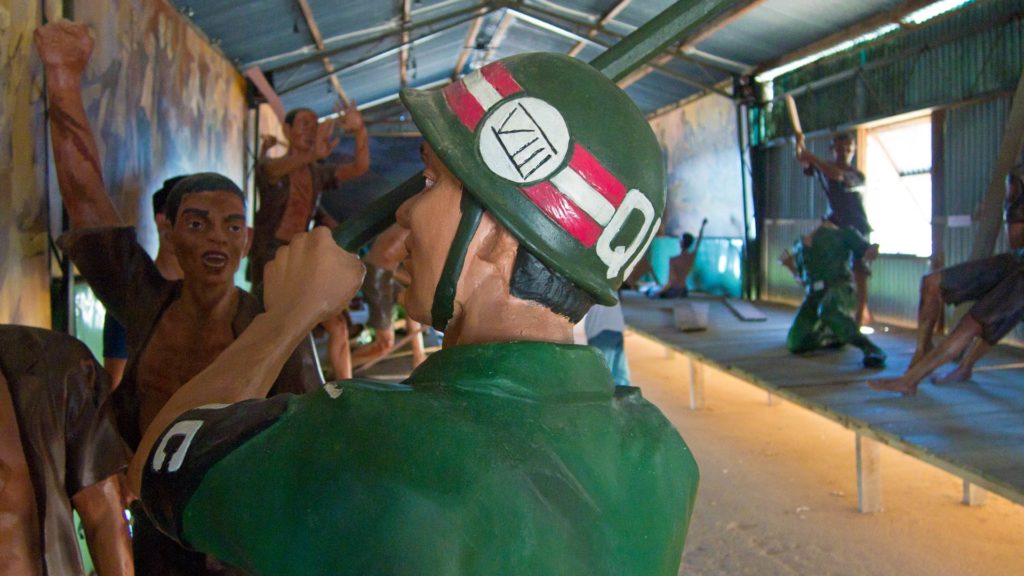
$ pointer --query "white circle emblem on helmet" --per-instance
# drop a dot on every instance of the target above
(524, 140)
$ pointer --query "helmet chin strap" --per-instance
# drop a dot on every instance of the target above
(444, 296)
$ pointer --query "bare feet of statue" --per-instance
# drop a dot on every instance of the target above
(958, 374)
(900, 385)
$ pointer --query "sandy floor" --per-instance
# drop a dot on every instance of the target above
(778, 492)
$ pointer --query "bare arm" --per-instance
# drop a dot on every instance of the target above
(352, 122)
(388, 249)
(700, 236)
(64, 48)
(309, 281)
(787, 260)
(830, 170)
(277, 168)
(101, 507)
(871, 253)
(1014, 189)
(1015, 235)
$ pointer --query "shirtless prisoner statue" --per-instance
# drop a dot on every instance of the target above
(506, 452)
(997, 286)
(841, 182)
(291, 186)
(679, 267)
(59, 452)
(290, 189)
(175, 329)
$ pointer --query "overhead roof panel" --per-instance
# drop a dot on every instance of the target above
(434, 59)
(776, 27)
(290, 79)
(590, 51)
(335, 18)
(363, 85)
(523, 36)
(656, 90)
(637, 13)
(696, 71)
(250, 30)
(579, 10)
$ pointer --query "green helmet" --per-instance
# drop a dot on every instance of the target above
(559, 155)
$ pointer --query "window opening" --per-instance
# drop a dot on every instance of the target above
(898, 200)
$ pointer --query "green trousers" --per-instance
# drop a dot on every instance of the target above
(825, 318)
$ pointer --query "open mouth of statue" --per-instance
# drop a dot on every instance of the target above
(215, 259)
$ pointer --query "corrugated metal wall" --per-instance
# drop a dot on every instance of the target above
(792, 208)
(972, 137)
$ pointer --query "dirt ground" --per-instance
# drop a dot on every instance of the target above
(778, 493)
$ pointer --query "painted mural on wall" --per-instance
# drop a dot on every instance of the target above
(161, 101)
(702, 157)
(24, 264)
(703, 162)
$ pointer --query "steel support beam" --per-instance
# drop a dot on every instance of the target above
(318, 39)
(638, 74)
(677, 23)
(605, 19)
(499, 35)
(368, 59)
(403, 55)
(467, 48)
(447, 19)
(734, 12)
(584, 29)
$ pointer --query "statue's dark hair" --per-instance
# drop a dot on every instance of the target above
(687, 240)
(532, 280)
(201, 182)
(160, 196)
(289, 118)
(844, 137)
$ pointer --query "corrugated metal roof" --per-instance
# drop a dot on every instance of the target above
(362, 40)
(774, 28)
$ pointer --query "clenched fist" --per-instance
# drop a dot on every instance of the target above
(64, 45)
(312, 278)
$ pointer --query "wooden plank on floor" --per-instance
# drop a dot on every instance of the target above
(745, 311)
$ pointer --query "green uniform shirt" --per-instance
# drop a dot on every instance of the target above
(509, 458)
(827, 259)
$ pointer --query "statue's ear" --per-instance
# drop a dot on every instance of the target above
(496, 243)
(163, 227)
